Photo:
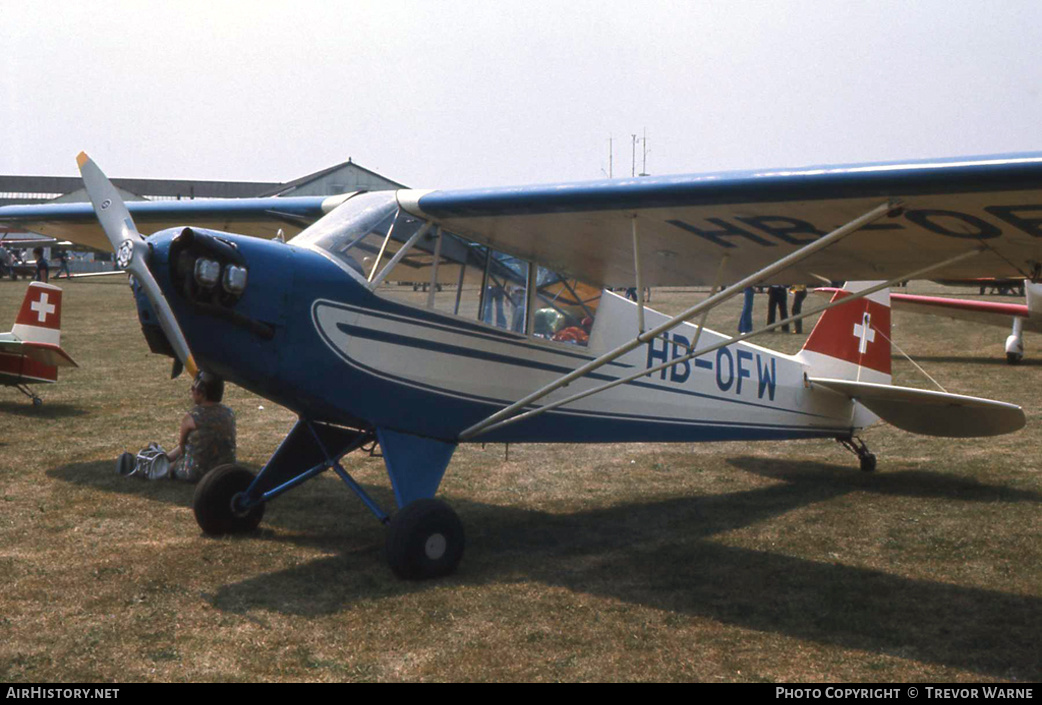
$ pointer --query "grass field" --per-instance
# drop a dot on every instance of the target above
(714, 562)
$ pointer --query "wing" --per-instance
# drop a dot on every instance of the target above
(688, 224)
(984, 312)
(261, 217)
(39, 352)
(988, 313)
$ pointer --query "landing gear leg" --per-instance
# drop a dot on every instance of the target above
(37, 401)
(425, 537)
(857, 446)
(230, 499)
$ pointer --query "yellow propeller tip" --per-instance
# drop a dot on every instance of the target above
(82, 158)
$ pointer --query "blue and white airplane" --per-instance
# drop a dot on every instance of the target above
(518, 343)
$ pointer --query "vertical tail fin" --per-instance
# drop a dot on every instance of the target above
(39, 320)
(852, 341)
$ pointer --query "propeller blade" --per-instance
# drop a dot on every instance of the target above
(109, 208)
(132, 252)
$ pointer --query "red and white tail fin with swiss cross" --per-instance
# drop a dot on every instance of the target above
(848, 353)
(38, 326)
(852, 341)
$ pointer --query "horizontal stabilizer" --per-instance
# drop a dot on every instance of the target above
(931, 413)
(43, 353)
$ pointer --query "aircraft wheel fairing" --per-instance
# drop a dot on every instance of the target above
(215, 502)
(424, 540)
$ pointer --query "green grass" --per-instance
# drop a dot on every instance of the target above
(714, 562)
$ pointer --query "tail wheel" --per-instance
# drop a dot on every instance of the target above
(424, 540)
(218, 502)
(868, 462)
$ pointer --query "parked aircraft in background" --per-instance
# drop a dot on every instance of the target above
(31, 353)
(1002, 287)
(318, 324)
(1022, 317)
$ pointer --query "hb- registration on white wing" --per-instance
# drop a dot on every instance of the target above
(688, 224)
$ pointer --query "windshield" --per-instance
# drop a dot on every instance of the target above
(356, 232)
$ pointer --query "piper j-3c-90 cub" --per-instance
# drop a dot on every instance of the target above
(513, 339)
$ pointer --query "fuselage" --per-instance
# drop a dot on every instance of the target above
(310, 334)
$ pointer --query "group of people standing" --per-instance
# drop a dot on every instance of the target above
(10, 264)
(777, 307)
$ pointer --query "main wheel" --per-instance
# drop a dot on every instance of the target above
(424, 540)
(216, 502)
(868, 462)
(1014, 358)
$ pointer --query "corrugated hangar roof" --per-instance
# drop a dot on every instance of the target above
(346, 176)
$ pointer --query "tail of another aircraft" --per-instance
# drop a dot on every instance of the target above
(39, 319)
(852, 342)
(37, 329)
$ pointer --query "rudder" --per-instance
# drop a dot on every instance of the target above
(852, 341)
(39, 319)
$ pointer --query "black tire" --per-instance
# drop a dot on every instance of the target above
(424, 540)
(1013, 358)
(868, 462)
(214, 502)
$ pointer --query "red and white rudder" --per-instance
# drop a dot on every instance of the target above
(852, 342)
(38, 326)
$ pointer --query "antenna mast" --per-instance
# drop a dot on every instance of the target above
(644, 142)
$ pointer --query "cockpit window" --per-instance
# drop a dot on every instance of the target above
(449, 273)
(357, 232)
(564, 308)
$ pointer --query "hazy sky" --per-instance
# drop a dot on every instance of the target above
(461, 93)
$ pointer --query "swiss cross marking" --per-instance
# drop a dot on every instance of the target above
(864, 332)
(42, 308)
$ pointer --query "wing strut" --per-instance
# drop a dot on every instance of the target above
(398, 255)
(639, 281)
(712, 348)
(708, 303)
(434, 271)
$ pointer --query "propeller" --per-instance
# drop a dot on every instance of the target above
(132, 252)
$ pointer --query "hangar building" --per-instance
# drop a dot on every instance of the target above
(18, 190)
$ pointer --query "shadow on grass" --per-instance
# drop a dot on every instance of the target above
(902, 483)
(657, 555)
(320, 514)
(45, 411)
(101, 474)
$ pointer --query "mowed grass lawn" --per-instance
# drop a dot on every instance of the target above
(712, 562)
